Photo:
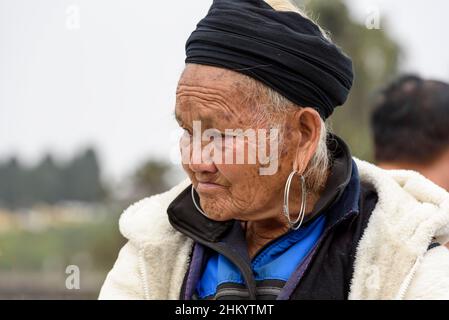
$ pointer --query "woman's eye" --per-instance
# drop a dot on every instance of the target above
(223, 136)
(186, 131)
(220, 134)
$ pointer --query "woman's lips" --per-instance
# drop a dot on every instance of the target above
(208, 187)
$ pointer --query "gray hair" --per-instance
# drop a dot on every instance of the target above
(286, 5)
(276, 109)
(273, 110)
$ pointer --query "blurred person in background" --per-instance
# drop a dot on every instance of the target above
(410, 124)
(321, 225)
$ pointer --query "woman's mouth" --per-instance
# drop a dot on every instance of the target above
(208, 187)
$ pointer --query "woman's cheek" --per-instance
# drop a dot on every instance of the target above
(238, 176)
(230, 168)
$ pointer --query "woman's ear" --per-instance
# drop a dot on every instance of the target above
(308, 122)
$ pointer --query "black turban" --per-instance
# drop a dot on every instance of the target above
(282, 49)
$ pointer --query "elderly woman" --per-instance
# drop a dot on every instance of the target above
(305, 222)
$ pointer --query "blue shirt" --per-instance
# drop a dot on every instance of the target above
(275, 262)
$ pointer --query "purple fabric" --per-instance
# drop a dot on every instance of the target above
(194, 271)
(294, 279)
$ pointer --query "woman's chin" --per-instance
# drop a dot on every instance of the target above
(217, 214)
(218, 218)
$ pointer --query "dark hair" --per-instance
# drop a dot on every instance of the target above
(410, 120)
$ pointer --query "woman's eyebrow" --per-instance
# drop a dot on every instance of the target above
(205, 119)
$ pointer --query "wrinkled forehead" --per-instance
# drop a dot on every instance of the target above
(211, 77)
(212, 90)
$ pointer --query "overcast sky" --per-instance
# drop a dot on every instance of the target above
(104, 72)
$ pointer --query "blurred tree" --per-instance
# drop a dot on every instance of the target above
(49, 182)
(44, 182)
(82, 179)
(11, 182)
(375, 57)
(150, 178)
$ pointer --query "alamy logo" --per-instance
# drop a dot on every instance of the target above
(72, 282)
(234, 146)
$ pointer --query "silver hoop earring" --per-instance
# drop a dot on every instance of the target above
(295, 224)
(196, 205)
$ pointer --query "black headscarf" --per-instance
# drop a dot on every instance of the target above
(282, 49)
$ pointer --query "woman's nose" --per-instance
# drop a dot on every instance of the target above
(202, 165)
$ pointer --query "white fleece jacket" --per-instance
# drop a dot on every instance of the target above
(392, 260)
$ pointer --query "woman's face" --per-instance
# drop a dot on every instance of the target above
(210, 100)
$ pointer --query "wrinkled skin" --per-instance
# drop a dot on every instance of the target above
(217, 98)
